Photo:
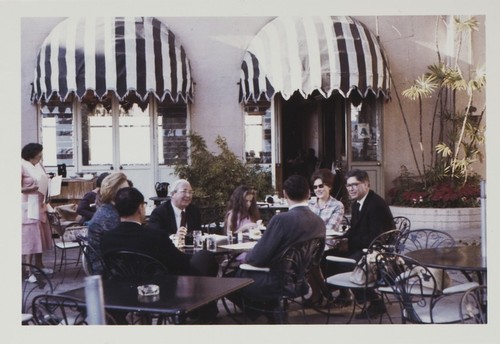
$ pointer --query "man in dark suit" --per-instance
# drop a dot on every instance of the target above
(370, 217)
(131, 235)
(298, 224)
(177, 215)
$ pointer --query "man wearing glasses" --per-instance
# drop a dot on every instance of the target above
(370, 216)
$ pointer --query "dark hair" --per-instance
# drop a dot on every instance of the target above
(325, 175)
(360, 175)
(128, 200)
(297, 188)
(238, 207)
(31, 150)
(99, 180)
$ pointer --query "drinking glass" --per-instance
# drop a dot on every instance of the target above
(197, 239)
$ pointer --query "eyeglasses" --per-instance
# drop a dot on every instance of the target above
(319, 186)
(353, 185)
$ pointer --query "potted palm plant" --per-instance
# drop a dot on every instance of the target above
(444, 192)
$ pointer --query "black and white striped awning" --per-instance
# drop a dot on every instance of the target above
(305, 54)
(120, 55)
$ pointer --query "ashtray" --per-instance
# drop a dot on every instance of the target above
(148, 290)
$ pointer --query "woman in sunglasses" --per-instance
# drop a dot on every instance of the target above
(331, 212)
(324, 205)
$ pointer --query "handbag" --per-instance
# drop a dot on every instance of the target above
(365, 271)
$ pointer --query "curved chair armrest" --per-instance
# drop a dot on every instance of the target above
(254, 268)
(460, 288)
(337, 259)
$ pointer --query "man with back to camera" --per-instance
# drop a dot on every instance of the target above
(132, 235)
(298, 224)
(169, 215)
(370, 217)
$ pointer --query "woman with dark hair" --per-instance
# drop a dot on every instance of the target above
(242, 211)
(88, 206)
(324, 205)
(331, 212)
(36, 233)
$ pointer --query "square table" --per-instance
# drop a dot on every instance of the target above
(178, 296)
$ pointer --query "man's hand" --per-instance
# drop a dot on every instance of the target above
(181, 232)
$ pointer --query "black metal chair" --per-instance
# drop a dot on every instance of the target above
(424, 238)
(132, 266)
(58, 310)
(418, 290)
(137, 268)
(292, 269)
(89, 257)
(403, 224)
(385, 242)
(61, 310)
(43, 285)
(474, 305)
(61, 243)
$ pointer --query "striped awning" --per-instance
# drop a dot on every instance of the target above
(305, 54)
(119, 55)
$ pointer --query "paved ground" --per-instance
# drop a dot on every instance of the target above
(74, 276)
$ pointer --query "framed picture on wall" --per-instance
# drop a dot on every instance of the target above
(363, 130)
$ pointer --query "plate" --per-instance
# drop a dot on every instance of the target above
(331, 232)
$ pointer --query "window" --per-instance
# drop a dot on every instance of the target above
(172, 134)
(57, 134)
(365, 130)
(97, 133)
(112, 133)
(258, 133)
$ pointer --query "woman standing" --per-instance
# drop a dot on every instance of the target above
(106, 216)
(36, 233)
(242, 211)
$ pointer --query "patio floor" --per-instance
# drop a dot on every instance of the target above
(74, 278)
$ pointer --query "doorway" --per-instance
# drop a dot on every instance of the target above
(331, 129)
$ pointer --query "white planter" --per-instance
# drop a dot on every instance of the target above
(461, 223)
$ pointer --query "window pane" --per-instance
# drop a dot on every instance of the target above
(57, 134)
(258, 137)
(365, 126)
(135, 145)
(172, 134)
(97, 134)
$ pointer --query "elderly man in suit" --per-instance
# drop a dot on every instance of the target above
(370, 217)
(177, 215)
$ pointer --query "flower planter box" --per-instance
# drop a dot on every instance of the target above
(462, 223)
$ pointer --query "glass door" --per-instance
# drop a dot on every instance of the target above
(366, 140)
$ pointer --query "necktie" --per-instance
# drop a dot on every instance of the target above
(183, 218)
(355, 212)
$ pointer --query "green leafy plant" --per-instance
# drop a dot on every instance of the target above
(215, 176)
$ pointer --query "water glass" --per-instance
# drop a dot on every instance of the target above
(211, 243)
(198, 239)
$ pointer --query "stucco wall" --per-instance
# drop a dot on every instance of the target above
(215, 46)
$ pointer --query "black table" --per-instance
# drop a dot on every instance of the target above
(179, 295)
(462, 258)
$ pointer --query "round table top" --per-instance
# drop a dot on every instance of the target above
(467, 258)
